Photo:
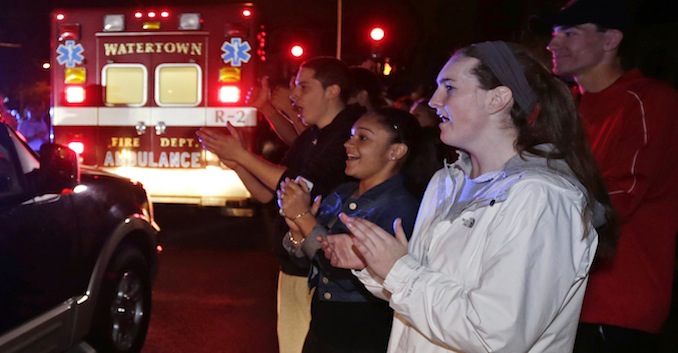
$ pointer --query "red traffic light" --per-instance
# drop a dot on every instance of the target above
(297, 51)
(377, 34)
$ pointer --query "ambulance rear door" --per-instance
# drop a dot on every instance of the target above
(153, 95)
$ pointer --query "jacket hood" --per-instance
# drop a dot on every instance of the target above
(527, 162)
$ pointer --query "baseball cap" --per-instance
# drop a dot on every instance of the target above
(611, 14)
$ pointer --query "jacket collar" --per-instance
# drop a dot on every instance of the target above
(518, 165)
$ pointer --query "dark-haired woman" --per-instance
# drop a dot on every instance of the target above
(386, 154)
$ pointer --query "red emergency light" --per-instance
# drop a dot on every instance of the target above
(152, 14)
(229, 94)
(69, 32)
(75, 94)
(377, 34)
(297, 51)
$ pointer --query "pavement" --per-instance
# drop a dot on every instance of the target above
(216, 288)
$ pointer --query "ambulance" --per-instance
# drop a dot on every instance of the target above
(131, 86)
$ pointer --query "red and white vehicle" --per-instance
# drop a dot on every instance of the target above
(130, 87)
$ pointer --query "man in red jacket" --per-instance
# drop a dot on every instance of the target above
(632, 126)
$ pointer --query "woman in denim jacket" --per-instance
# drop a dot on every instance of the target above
(383, 143)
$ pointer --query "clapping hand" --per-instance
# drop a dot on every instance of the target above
(379, 249)
(258, 96)
(226, 147)
(293, 198)
(341, 252)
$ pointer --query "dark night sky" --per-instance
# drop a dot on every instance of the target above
(420, 33)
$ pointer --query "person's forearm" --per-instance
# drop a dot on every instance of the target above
(266, 172)
(306, 222)
(281, 125)
(258, 190)
(311, 245)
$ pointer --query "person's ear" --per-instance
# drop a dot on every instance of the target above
(613, 38)
(500, 98)
(333, 91)
(397, 151)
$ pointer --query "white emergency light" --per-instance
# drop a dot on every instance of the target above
(229, 94)
(114, 23)
(75, 94)
(189, 21)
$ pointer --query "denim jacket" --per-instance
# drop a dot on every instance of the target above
(381, 205)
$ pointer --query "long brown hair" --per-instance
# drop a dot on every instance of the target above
(555, 120)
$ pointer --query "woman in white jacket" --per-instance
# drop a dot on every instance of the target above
(505, 237)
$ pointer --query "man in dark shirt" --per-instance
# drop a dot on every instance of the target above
(631, 125)
(322, 89)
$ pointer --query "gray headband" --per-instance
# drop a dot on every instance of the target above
(498, 57)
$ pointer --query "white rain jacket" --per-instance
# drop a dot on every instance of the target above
(507, 273)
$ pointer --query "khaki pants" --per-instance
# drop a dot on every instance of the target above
(294, 312)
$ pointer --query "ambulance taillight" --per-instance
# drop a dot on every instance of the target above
(77, 147)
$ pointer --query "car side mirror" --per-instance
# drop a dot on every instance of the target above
(59, 167)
